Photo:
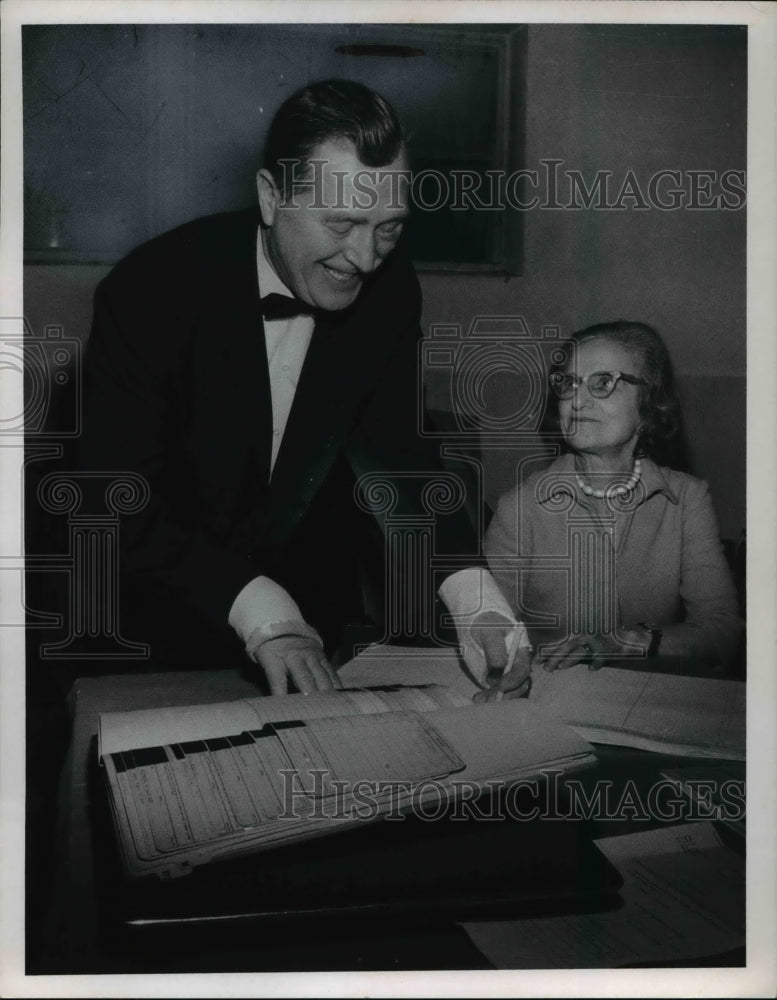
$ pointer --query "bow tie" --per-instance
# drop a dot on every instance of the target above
(276, 306)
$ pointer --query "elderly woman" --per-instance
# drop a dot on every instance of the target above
(607, 554)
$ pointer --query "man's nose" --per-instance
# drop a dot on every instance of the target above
(361, 251)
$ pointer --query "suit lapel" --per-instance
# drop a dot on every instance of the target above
(337, 368)
(236, 366)
(347, 353)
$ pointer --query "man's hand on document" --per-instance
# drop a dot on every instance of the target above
(508, 655)
(297, 659)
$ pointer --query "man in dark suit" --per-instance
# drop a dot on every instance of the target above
(250, 367)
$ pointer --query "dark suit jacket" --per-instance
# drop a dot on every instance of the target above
(177, 389)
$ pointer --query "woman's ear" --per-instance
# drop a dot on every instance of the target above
(269, 196)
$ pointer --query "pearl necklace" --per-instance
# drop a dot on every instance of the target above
(613, 491)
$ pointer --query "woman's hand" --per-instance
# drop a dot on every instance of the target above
(593, 650)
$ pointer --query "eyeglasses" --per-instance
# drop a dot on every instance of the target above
(599, 384)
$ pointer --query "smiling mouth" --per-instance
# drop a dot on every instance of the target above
(344, 277)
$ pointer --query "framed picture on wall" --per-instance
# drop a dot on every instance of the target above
(133, 129)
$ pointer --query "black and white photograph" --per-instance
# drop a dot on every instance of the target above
(388, 535)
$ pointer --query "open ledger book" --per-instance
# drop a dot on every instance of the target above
(201, 783)
(197, 784)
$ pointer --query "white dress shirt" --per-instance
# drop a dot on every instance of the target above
(287, 342)
(263, 610)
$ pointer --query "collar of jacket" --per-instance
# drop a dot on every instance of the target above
(561, 478)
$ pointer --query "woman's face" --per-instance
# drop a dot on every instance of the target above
(606, 427)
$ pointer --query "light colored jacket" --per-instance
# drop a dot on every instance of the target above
(569, 563)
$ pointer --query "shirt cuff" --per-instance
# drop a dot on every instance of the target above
(263, 610)
(471, 592)
(468, 594)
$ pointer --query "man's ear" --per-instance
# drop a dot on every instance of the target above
(269, 196)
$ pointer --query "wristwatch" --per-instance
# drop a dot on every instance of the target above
(655, 634)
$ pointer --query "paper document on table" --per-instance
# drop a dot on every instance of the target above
(153, 726)
(380, 664)
(684, 899)
(697, 716)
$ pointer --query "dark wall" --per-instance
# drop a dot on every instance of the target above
(614, 98)
(134, 129)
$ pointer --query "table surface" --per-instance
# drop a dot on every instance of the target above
(73, 939)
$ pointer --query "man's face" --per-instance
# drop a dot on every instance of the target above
(325, 239)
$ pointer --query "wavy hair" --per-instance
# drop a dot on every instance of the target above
(327, 110)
